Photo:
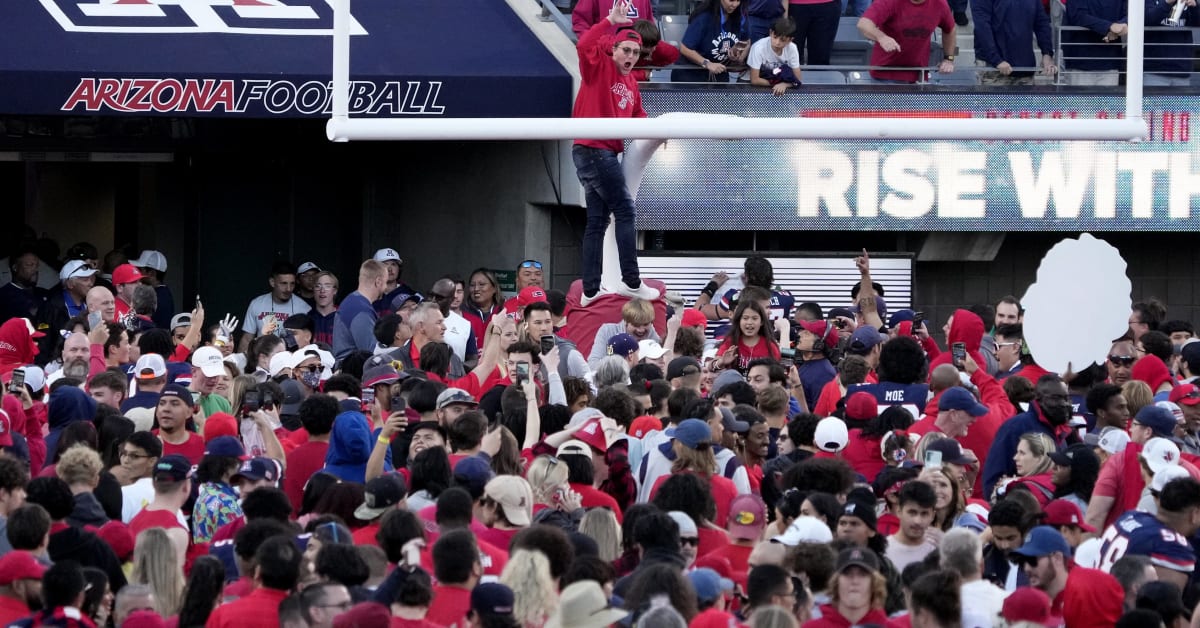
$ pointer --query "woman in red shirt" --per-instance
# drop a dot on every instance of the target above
(749, 337)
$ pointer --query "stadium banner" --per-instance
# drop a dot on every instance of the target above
(923, 185)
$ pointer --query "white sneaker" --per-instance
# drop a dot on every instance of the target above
(641, 292)
(585, 300)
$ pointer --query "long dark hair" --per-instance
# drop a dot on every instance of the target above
(204, 588)
(314, 488)
(497, 298)
(764, 331)
(714, 7)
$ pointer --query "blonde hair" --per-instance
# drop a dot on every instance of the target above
(370, 271)
(237, 389)
(878, 589)
(535, 594)
(637, 312)
(1040, 446)
(79, 465)
(773, 617)
(601, 525)
(700, 460)
(945, 519)
(1137, 394)
(331, 276)
(546, 475)
(156, 563)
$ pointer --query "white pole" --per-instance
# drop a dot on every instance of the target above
(1135, 53)
(691, 127)
(341, 63)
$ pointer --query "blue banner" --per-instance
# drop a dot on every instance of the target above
(919, 185)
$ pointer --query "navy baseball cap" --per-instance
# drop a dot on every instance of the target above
(260, 468)
(959, 398)
(229, 446)
(473, 474)
(179, 392)
(1160, 420)
(731, 423)
(1043, 541)
(863, 340)
(951, 450)
(692, 432)
(174, 468)
(900, 316)
(623, 345)
(492, 598)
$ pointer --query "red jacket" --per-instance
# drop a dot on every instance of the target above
(664, 54)
(967, 328)
(35, 420)
(258, 609)
(983, 431)
(604, 92)
(588, 13)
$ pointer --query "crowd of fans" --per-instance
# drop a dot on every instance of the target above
(387, 457)
(766, 42)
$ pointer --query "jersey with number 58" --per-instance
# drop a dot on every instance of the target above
(1141, 533)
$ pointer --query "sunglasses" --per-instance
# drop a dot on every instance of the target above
(1122, 360)
(531, 263)
(694, 541)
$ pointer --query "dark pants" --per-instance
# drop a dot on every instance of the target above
(604, 189)
(816, 28)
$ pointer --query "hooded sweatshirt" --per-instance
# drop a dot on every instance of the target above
(350, 444)
(966, 328)
(88, 512)
(67, 405)
(71, 543)
(35, 420)
(16, 344)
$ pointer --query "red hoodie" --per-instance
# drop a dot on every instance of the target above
(16, 344)
(605, 92)
(983, 431)
(966, 328)
(35, 421)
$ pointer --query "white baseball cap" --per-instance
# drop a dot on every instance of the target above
(831, 435)
(209, 361)
(1172, 472)
(388, 255)
(307, 266)
(279, 361)
(650, 349)
(1160, 453)
(75, 268)
(35, 378)
(687, 527)
(151, 259)
(151, 362)
(1114, 441)
(805, 530)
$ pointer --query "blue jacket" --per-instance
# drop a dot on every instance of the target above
(1000, 456)
(67, 405)
(1097, 16)
(350, 445)
(354, 326)
(1002, 30)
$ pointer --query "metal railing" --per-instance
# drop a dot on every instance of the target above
(1187, 52)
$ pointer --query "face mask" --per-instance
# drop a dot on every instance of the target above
(310, 379)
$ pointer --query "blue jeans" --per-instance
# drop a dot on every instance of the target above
(604, 189)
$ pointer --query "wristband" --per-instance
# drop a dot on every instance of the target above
(383, 440)
(710, 289)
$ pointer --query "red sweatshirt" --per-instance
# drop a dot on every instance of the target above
(605, 92)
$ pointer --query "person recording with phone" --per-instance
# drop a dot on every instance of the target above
(539, 330)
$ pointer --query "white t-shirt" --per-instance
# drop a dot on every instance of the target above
(135, 497)
(902, 555)
(458, 329)
(264, 306)
(761, 53)
(981, 602)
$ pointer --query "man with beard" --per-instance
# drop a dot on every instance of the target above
(1048, 414)
(1081, 596)
(77, 353)
(20, 586)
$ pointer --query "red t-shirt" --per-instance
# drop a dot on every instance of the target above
(498, 537)
(739, 559)
(450, 605)
(592, 497)
(911, 24)
(711, 540)
(258, 609)
(723, 492)
(192, 448)
(302, 463)
(147, 519)
(365, 535)
(746, 353)
(491, 557)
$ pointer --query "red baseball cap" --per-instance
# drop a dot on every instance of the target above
(1027, 604)
(592, 433)
(1061, 512)
(19, 565)
(694, 318)
(861, 406)
(823, 330)
(5, 429)
(530, 294)
(644, 425)
(1185, 394)
(126, 273)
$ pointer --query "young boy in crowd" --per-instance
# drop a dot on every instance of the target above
(774, 61)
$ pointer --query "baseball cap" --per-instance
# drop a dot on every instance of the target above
(220, 424)
(75, 268)
(864, 511)
(119, 537)
(682, 366)
(959, 398)
(747, 516)
(831, 435)
(149, 366)
(209, 360)
(379, 374)
(694, 318)
(173, 467)
(179, 392)
(623, 345)
(687, 527)
(1042, 541)
(1113, 440)
(835, 312)
(1027, 604)
(1078, 455)
(279, 362)
(182, 319)
(259, 468)
(901, 316)
(19, 565)
(514, 496)
(692, 433)
(452, 396)
(650, 348)
(1190, 353)
(307, 266)
(1060, 512)
(857, 557)
(805, 529)
(292, 397)
(229, 446)
(1173, 408)
(823, 330)
(1185, 394)
(1160, 420)
(951, 450)
(643, 425)
(861, 406)
(492, 598)
(388, 255)
(594, 434)
(304, 353)
(1160, 453)
(125, 273)
(1166, 475)
(731, 422)
(574, 446)
(863, 340)
(35, 378)
(709, 584)
(473, 474)
(629, 35)
(381, 493)
(151, 259)
(530, 294)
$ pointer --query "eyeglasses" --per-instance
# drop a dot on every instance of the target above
(312, 368)
(135, 456)
(324, 286)
(694, 541)
(1122, 360)
(1007, 344)
(531, 263)
(629, 51)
